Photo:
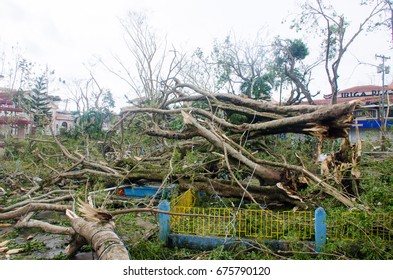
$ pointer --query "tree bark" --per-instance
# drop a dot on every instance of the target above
(31, 208)
(101, 236)
(268, 196)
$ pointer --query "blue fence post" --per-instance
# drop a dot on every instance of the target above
(320, 229)
(163, 220)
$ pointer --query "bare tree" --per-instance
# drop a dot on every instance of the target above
(152, 65)
(87, 95)
(201, 70)
(334, 28)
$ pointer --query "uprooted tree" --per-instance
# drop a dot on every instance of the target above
(226, 134)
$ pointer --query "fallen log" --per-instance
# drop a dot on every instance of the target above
(100, 235)
(270, 196)
(47, 227)
(31, 207)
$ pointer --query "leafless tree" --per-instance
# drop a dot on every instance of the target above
(336, 31)
(87, 94)
(152, 62)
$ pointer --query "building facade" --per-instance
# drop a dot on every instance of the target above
(375, 108)
(17, 123)
(13, 120)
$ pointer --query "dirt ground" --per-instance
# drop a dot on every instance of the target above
(55, 244)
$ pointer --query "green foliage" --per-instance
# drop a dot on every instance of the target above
(15, 148)
(106, 104)
(257, 88)
(126, 223)
(241, 251)
(192, 162)
(107, 101)
(11, 234)
(39, 103)
(331, 145)
(376, 183)
(298, 49)
(293, 146)
(237, 118)
(200, 104)
(150, 250)
(86, 248)
(369, 249)
(289, 51)
(60, 256)
(177, 123)
(289, 67)
(34, 245)
(90, 123)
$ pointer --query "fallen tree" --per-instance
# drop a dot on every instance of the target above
(99, 234)
(224, 134)
(198, 137)
(208, 126)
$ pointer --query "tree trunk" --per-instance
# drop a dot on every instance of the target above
(268, 196)
(101, 236)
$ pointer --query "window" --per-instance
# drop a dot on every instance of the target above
(365, 113)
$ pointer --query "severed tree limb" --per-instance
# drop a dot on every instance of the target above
(337, 119)
(75, 245)
(271, 196)
(96, 168)
(101, 236)
(47, 227)
(270, 176)
(36, 200)
(45, 164)
(257, 105)
(331, 121)
(261, 171)
(328, 189)
(80, 173)
(234, 177)
(31, 207)
(171, 134)
(325, 186)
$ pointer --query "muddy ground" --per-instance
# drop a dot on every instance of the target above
(45, 246)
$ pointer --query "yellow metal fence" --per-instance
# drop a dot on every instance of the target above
(242, 223)
(268, 224)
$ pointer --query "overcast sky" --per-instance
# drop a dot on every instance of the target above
(65, 35)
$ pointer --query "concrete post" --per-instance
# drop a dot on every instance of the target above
(320, 229)
(163, 220)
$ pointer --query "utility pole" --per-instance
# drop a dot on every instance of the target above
(382, 69)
